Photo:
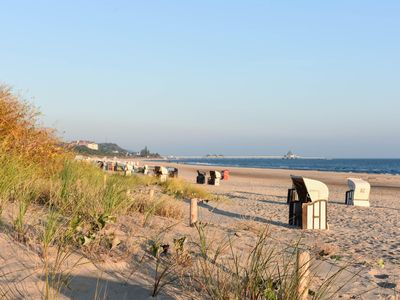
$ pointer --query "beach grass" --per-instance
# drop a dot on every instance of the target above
(78, 200)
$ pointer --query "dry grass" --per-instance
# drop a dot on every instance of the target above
(263, 272)
(78, 200)
(21, 134)
(160, 205)
(183, 189)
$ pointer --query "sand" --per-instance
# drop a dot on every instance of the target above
(362, 236)
(357, 237)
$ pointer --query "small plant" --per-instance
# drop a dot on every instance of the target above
(336, 257)
(50, 233)
(381, 263)
(162, 266)
(265, 273)
(57, 254)
(168, 266)
(19, 221)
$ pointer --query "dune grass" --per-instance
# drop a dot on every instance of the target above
(78, 200)
(180, 188)
(264, 272)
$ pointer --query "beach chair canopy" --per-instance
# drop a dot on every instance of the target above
(310, 189)
(360, 187)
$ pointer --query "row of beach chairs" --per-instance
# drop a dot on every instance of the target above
(214, 178)
(130, 168)
(164, 172)
(308, 201)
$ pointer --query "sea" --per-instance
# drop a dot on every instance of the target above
(372, 166)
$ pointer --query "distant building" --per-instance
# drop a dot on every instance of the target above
(88, 144)
(93, 146)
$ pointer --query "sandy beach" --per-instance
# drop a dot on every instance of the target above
(364, 241)
(360, 236)
(108, 110)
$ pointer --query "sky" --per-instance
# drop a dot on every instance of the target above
(321, 78)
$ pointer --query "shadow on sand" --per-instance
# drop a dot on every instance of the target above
(222, 212)
(84, 287)
(235, 195)
(272, 202)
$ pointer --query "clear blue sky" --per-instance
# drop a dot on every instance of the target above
(197, 77)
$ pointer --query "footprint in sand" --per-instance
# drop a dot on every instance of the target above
(381, 276)
(387, 285)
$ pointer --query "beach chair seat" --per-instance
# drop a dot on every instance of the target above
(201, 177)
(358, 193)
(308, 203)
(215, 177)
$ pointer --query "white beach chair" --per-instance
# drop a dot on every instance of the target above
(308, 209)
(172, 172)
(145, 169)
(215, 177)
(358, 195)
(161, 172)
(129, 169)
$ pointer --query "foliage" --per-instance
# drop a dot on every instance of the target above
(183, 189)
(21, 135)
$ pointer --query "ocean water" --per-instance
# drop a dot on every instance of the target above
(373, 166)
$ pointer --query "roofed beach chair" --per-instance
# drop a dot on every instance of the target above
(120, 167)
(100, 164)
(225, 175)
(308, 201)
(173, 172)
(358, 195)
(129, 169)
(110, 166)
(145, 169)
(161, 172)
(215, 177)
(201, 177)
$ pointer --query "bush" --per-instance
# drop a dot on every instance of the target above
(21, 135)
(36, 169)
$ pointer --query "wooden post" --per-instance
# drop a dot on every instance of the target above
(303, 273)
(193, 211)
(151, 194)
